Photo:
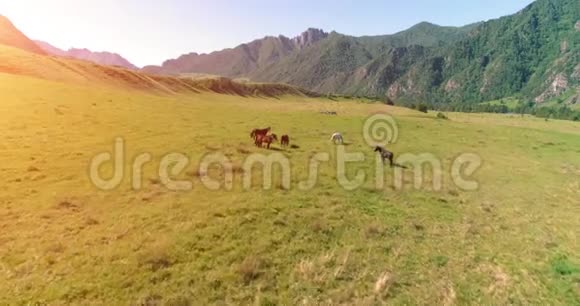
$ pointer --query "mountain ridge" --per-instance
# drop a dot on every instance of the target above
(12, 36)
(240, 60)
(97, 57)
(482, 61)
(532, 54)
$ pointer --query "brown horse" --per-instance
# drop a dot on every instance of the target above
(285, 140)
(259, 132)
(267, 139)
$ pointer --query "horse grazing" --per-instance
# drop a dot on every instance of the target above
(385, 154)
(285, 140)
(267, 139)
(329, 113)
(337, 138)
(259, 132)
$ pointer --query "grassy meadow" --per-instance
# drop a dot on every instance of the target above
(64, 241)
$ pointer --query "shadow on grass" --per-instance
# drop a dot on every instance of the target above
(395, 165)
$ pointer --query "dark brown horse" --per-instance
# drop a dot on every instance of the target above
(285, 140)
(385, 155)
(267, 139)
(257, 133)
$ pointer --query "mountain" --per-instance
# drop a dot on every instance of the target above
(533, 54)
(101, 58)
(240, 60)
(50, 49)
(325, 62)
(347, 64)
(11, 36)
(79, 72)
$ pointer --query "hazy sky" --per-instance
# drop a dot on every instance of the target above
(149, 32)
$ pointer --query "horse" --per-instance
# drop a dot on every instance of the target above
(329, 113)
(337, 138)
(285, 140)
(259, 132)
(268, 139)
(385, 154)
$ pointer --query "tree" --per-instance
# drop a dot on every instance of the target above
(389, 101)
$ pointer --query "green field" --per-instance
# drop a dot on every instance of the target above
(62, 240)
(510, 103)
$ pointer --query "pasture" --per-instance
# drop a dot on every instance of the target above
(62, 240)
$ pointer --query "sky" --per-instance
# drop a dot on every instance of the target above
(148, 32)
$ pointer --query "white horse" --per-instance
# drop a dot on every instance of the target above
(337, 138)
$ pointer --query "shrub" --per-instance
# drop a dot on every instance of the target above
(156, 256)
(422, 108)
(250, 268)
(440, 260)
(441, 115)
(563, 266)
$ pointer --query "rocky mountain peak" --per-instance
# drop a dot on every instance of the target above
(309, 37)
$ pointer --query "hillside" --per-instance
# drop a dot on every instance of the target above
(19, 62)
(11, 36)
(240, 60)
(101, 58)
(362, 65)
(64, 241)
(301, 59)
(533, 54)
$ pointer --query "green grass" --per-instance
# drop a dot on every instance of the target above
(513, 241)
(561, 100)
(511, 103)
